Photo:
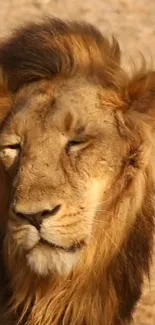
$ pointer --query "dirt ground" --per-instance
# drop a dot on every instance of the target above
(131, 22)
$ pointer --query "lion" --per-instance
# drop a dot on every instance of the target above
(77, 177)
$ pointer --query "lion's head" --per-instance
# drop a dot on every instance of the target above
(76, 157)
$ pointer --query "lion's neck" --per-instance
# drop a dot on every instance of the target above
(80, 299)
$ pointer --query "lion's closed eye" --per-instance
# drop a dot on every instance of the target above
(76, 144)
(9, 154)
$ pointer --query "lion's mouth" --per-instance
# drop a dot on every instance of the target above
(71, 249)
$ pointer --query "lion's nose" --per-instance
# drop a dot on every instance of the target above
(36, 218)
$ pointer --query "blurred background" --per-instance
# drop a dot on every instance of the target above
(132, 22)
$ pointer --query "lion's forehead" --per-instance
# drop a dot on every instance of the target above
(43, 107)
(42, 100)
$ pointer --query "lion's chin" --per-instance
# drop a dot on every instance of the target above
(44, 259)
(42, 256)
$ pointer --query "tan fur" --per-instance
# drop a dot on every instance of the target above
(104, 186)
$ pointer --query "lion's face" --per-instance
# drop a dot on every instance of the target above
(62, 151)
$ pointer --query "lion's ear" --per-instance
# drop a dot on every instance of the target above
(5, 97)
(141, 92)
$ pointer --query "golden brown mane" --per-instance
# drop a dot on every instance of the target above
(55, 47)
(106, 286)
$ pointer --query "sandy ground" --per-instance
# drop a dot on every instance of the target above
(132, 22)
